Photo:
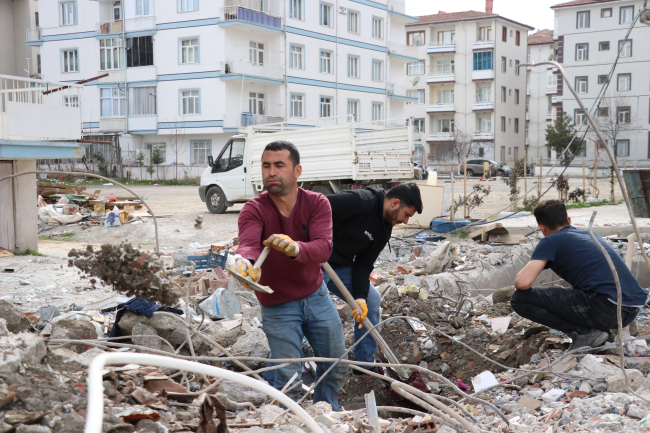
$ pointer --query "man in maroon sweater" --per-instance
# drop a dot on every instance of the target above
(297, 224)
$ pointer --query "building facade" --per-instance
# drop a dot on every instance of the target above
(589, 36)
(180, 77)
(468, 84)
(19, 34)
(541, 94)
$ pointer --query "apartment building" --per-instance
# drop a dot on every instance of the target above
(468, 83)
(182, 76)
(541, 94)
(19, 54)
(589, 36)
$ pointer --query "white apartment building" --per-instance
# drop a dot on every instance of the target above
(541, 94)
(467, 78)
(184, 75)
(589, 36)
(19, 50)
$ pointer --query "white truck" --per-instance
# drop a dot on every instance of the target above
(333, 158)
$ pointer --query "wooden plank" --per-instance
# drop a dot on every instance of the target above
(485, 229)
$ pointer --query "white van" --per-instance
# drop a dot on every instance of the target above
(333, 158)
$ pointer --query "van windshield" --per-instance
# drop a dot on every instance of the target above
(232, 156)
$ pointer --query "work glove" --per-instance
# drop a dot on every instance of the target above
(246, 270)
(359, 316)
(284, 244)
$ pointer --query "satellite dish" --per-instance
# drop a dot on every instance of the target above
(418, 40)
(415, 81)
(645, 17)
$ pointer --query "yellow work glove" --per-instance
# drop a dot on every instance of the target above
(246, 270)
(282, 243)
(364, 312)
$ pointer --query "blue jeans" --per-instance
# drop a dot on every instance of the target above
(363, 351)
(316, 319)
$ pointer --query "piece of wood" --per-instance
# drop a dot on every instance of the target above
(505, 238)
(371, 410)
(485, 229)
(629, 255)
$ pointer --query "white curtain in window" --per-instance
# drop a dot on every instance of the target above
(142, 101)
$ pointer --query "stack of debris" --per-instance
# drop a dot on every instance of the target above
(53, 192)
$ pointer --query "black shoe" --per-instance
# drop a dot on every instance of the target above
(594, 338)
(359, 373)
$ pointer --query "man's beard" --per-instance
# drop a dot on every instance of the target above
(391, 216)
(278, 190)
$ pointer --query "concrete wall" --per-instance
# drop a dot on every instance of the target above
(538, 104)
(18, 213)
(7, 46)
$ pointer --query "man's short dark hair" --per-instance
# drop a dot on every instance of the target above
(408, 194)
(551, 213)
(276, 146)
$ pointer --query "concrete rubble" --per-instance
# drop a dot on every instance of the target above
(446, 310)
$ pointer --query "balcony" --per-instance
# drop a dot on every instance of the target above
(441, 47)
(527, 116)
(551, 90)
(37, 110)
(436, 77)
(487, 74)
(527, 90)
(112, 124)
(440, 136)
(142, 123)
(125, 26)
(273, 113)
(268, 72)
(483, 106)
(549, 116)
(398, 91)
(483, 135)
(34, 36)
(114, 76)
(266, 14)
(441, 108)
(397, 6)
(554, 99)
(483, 45)
(405, 53)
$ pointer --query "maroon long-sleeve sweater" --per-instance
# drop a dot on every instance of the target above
(310, 225)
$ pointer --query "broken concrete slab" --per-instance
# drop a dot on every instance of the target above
(19, 349)
(503, 295)
(223, 336)
(616, 381)
(144, 333)
(16, 320)
(254, 344)
(241, 394)
(170, 329)
(70, 329)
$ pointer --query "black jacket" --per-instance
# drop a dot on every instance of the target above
(360, 234)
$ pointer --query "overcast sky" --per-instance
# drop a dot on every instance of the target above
(535, 13)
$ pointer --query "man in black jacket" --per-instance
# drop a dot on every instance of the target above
(363, 221)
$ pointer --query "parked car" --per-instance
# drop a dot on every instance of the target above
(475, 167)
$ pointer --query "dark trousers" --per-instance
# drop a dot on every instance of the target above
(569, 310)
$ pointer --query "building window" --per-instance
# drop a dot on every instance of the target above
(353, 66)
(353, 22)
(418, 125)
(580, 118)
(111, 54)
(624, 82)
(581, 84)
(625, 48)
(418, 94)
(483, 61)
(518, 38)
(297, 105)
(504, 34)
(189, 5)
(38, 63)
(484, 94)
(326, 18)
(583, 20)
(603, 46)
(517, 67)
(190, 102)
(377, 28)
(551, 79)
(377, 111)
(71, 101)
(377, 70)
(485, 124)
(160, 148)
(516, 129)
(503, 124)
(445, 125)
(445, 66)
(190, 50)
(447, 37)
(68, 13)
(326, 62)
(606, 13)
(70, 60)
(415, 68)
(503, 94)
(504, 64)
(296, 59)
(445, 96)
(143, 8)
(255, 53)
(353, 110)
(627, 15)
(296, 9)
(517, 96)
(113, 102)
(623, 148)
(142, 101)
(139, 51)
(256, 103)
(411, 37)
(485, 33)
(325, 106)
(602, 79)
(549, 105)
(582, 51)
(603, 112)
(200, 152)
(624, 114)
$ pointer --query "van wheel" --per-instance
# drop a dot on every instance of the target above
(470, 173)
(215, 200)
(325, 190)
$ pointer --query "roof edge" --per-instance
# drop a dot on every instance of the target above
(475, 19)
(564, 5)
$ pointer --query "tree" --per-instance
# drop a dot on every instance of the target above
(139, 161)
(177, 144)
(513, 181)
(463, 145)
(156, 159)
(559, 136)
(614, 119)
